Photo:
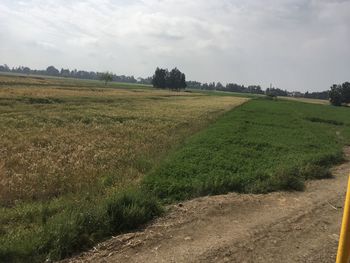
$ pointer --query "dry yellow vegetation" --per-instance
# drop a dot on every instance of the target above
(307, 100)
(59, 137)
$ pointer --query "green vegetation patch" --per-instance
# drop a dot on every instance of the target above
(77, 227)
(261, 146)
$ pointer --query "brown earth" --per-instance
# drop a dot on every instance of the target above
(276, 227)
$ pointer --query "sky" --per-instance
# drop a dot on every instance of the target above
(293, 44)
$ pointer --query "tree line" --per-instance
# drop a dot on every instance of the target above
(256, 89)
(67, 73)
(175, 80)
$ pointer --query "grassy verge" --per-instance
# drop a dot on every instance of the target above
(77, 227)
(261, 146)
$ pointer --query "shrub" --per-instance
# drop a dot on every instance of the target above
(288, 179)
(130, 209)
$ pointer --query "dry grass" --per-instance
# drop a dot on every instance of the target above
(59, 139)
(307, 100)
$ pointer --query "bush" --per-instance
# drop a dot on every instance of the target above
(130, 209)
(289, 179)
(313, 171)
(73, 231)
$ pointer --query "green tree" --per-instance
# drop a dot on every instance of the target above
(106, 77)
(159, 79)
(52, 71)
(176, 80)
(345, 90)
(335, 95)
(183, 83)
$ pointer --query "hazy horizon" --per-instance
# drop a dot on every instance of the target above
(293, 44)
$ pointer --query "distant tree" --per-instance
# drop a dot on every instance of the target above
(25, 70)
(65, 72)
(159, 79)
(106, 77)
(219, 86)
(256, 89)
(4, 68)
(81, 74)
(176, 80)
(147, 80)
(194, 84)
(345, 90)
(205, 86)
(335, 95)
(210, 86)
(276, 92)
(52, 71)
(233, 87)
(183, 83)
(323, 95)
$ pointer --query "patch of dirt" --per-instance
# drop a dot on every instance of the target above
(276, 227)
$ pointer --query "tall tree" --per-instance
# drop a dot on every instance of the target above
(183, 83)
(335, 95)
(345, 90)
(175, 80)
(159, 79)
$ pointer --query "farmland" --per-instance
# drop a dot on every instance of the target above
(67, 142)
(81, 161)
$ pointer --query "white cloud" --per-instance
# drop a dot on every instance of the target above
(295, 44)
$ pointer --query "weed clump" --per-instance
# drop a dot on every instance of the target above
(130, 209)
(326, 121)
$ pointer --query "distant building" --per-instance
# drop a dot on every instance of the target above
(295, 94)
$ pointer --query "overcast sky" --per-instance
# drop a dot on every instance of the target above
(293, 44)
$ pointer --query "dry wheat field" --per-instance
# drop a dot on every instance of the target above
(58, 139)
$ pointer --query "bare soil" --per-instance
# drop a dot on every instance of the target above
(276, 227)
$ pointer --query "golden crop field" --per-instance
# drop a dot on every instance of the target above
(59, 137)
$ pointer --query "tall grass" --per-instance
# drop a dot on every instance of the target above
(79, 227)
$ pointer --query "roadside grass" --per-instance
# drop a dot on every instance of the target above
(77, 226)
(259, 147)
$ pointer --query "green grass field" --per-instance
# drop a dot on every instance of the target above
(259, 147)
(80, 162)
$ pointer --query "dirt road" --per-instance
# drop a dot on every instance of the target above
(277, 227)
